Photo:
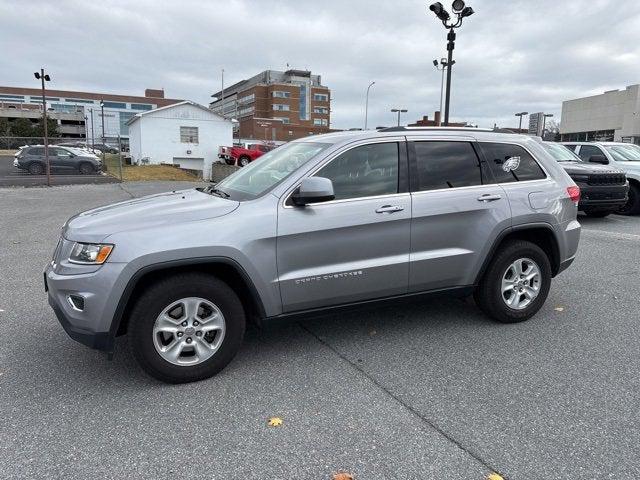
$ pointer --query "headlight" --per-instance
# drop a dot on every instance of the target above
(90, 253)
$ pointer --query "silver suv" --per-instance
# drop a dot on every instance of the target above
(320, 223)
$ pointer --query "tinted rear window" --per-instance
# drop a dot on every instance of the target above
(446, 165)
(511, 163)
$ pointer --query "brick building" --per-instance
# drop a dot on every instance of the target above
(425, 122)
(277, 106)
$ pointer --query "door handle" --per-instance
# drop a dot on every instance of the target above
(489, 197)
(389, 209)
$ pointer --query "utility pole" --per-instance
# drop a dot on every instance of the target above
(222, 94)
(45, 78)
(93, 142)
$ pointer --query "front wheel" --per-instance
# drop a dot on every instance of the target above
(632, 207)
(186, 328)
(516, 283)
(86, 169)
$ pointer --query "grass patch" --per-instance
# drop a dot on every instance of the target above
(133, 173)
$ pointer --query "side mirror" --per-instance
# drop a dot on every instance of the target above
(598, 159)
(313, 190)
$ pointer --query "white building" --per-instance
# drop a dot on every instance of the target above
(185, 134)
(611, 116)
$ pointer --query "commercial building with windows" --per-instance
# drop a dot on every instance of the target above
(277, 106)
(79, 113)
(611, 116)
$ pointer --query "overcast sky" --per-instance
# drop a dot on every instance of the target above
(510, 55)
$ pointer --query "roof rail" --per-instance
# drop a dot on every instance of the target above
(448, 129)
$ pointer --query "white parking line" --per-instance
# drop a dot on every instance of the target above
(620, 236)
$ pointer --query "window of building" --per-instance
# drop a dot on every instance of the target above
(34, 99)
(281, 94)
(321, 122)
(124, 118)
(511, 163)
(188, 134)
(281, 107)
(323, 110)
(14, 98)
(77, 100)
(290, 133)
(587, 151)
(243, 112)
(321, 97)
(141, 106)
(114, 105)
(364, 171)
(446, 165)
(284, 120)
(247, 99)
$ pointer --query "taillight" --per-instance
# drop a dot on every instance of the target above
(574, 194)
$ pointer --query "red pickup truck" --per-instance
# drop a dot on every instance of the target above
(243, 156)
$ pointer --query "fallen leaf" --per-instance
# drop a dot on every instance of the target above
(342, 476)
(275, 422)
(559, 309)
(494, 476)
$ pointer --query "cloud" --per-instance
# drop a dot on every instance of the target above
(510, 56)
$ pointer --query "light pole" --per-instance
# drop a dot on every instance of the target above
(399, 111)
(544, 122)
(93, 142)
(366, 105)
(443, 62)
(461, 11)
(222, 94)
(102, 114)
(521, 114)
(45, 78)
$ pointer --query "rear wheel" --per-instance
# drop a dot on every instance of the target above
(516, 284)
(86, 168)
(632, 207)
(36, 168)
(186, 328)
(244, 161)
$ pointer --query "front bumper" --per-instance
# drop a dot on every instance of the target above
(90, 326)
(605, 197)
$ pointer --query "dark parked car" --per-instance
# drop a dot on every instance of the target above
(33, 160)
(603, 189)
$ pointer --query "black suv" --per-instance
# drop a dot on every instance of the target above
(33, 160)
(603, 190)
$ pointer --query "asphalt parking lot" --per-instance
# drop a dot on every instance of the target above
(431, 390)
(12, 177)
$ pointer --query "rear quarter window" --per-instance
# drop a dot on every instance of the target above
(511, 163)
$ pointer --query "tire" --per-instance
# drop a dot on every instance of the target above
(86, 168)
(632, 207)
(244, 161)
(145, 341)
(229, 161)
(36, 168)
(597, 214)
(489, 293)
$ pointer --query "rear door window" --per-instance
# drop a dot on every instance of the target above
(511, 163)
(442, 164)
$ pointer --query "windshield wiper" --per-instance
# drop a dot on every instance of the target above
(218, 192)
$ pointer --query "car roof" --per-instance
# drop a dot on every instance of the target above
(479, 134)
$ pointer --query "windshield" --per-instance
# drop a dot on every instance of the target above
(624, 153)
(269, 170)
(561, 153)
